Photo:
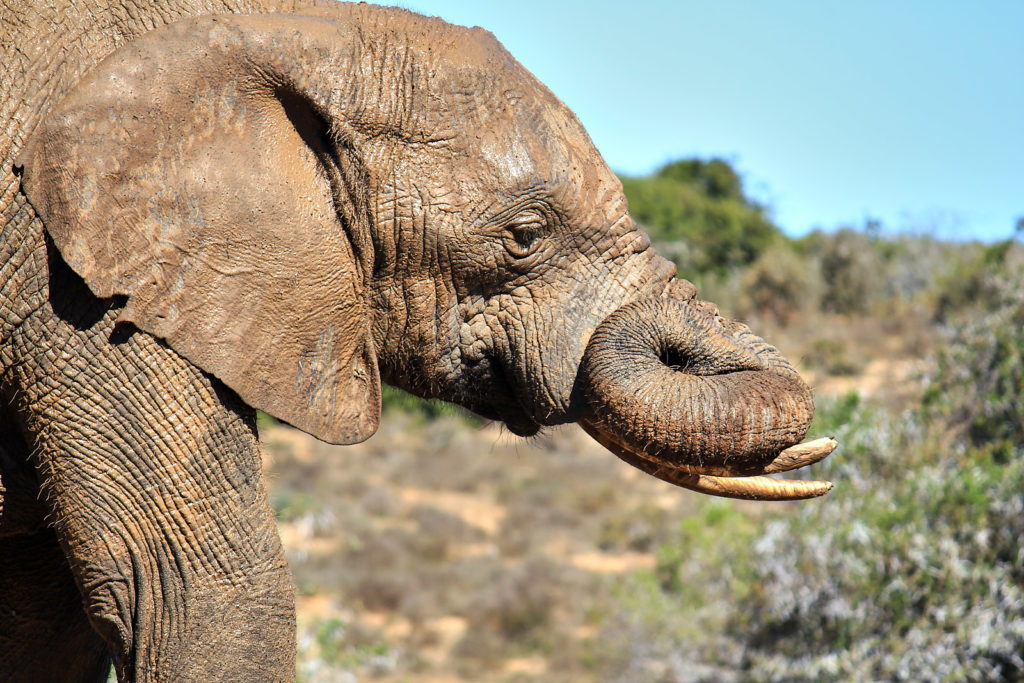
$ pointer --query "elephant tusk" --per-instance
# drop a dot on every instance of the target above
(745, 488)
(752, 488)
(802, 455)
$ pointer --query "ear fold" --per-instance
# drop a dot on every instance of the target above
(198, 172)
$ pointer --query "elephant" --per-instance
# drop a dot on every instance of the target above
(209, 207)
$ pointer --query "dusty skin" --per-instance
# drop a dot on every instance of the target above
(212, 207)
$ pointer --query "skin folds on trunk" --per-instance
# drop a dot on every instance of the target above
(695, 399)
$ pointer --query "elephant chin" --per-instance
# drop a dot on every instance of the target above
(699, 401)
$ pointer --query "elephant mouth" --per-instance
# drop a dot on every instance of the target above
(499, 401)
(523, 426)
(515, 416)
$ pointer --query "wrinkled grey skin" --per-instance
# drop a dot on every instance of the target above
(279, 213)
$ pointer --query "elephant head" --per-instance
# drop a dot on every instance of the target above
(306, 205)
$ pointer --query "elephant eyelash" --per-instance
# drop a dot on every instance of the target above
(524, 236)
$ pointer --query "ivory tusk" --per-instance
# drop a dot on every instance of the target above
(802, 455)
(753, 488)
(746, 488)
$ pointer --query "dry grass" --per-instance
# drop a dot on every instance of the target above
(441, 551)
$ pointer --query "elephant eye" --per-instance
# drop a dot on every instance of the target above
(524, 234)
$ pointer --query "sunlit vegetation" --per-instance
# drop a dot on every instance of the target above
(699, 214)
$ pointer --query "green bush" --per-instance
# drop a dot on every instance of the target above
(852, 270)
(911, 569)
(335, 649)
(697, 214)
(979, 388)
(977, 279)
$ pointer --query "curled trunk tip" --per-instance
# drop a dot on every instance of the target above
(699, 401)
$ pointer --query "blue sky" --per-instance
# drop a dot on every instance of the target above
(908, 112)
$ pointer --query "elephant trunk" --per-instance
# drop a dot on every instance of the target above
(698, 401)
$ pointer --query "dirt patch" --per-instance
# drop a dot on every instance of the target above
(604, 563)
(471, 509)
(440, 552)
(882, 375)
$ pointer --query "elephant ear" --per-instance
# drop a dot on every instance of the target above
(199, 172)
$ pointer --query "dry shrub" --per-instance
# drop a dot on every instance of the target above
(780, 285)
(833, 357)
(851, 270)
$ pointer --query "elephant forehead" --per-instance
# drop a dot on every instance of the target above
(515, 158)
(531, 152)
